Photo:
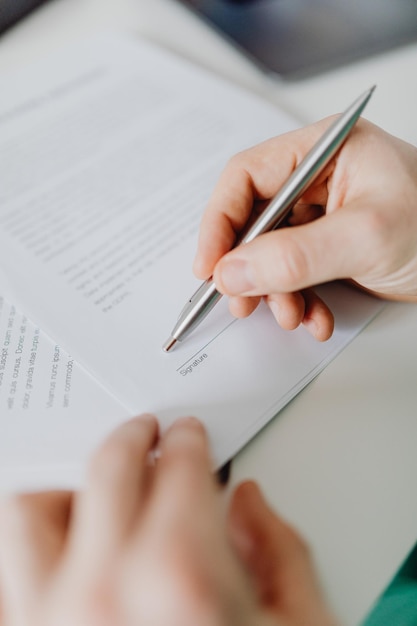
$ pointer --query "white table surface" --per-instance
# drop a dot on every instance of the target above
(340, 460)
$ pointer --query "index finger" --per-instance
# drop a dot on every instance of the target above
(251, 175)
(107, 509)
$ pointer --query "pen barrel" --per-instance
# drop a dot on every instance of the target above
(307, 171)
(197, 308)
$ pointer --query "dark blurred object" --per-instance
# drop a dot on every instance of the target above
(11, 11)
(299, 38)
(223, 474)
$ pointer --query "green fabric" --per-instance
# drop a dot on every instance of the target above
(398, 604)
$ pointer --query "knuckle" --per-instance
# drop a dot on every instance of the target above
(237, 160)
(240, 163)
(188, 434)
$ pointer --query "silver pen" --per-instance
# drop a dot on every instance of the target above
(206, 296)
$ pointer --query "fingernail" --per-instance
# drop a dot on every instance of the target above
(146, 417)
(275, 308)
(184, 428)
(187, 421)
(236, 277)
(140, 420)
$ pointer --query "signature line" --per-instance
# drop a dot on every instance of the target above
(207, 344)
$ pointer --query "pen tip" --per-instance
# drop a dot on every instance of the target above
(170, 343)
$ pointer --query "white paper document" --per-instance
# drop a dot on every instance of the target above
(51, 412)
(109, 153)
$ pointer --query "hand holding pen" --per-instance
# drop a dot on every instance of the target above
(357, 234)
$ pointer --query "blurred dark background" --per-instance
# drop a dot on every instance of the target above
(11, 11)
(292, 38)
(297, 38)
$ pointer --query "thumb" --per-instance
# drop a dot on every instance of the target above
(289, 259)
(277, 560)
